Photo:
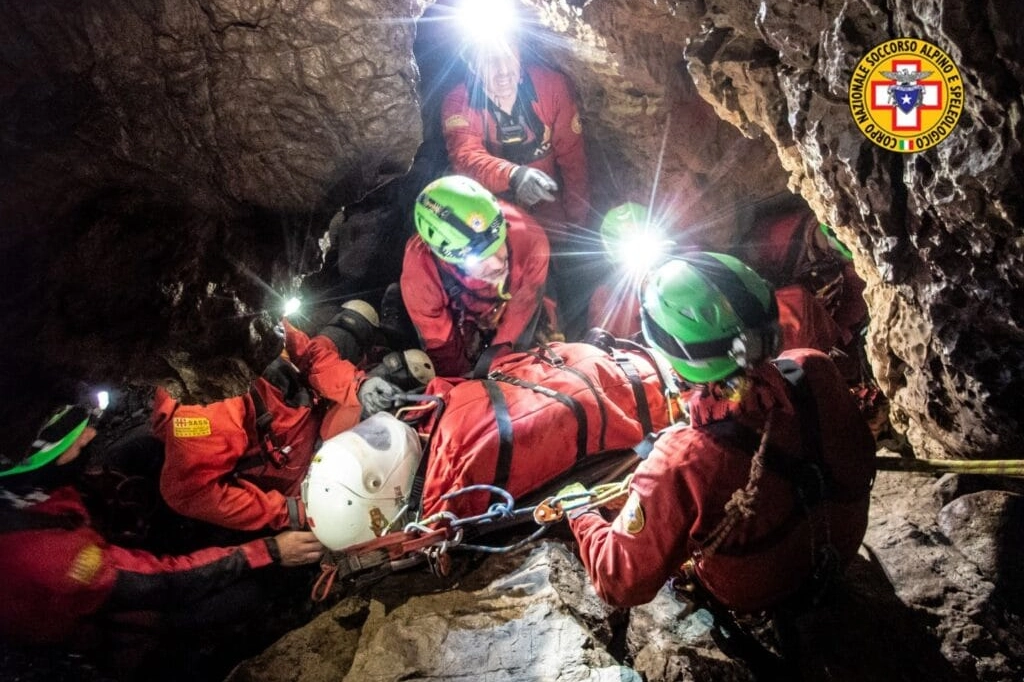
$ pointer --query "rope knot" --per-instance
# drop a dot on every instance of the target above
(742, 501)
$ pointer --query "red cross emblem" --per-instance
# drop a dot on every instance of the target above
(904, 93)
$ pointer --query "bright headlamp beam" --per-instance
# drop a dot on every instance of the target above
(487, 22)
(640, 251)
(102, 400)
(291, 306)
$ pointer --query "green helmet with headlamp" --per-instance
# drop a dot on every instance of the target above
(58, 434)
(620, 224)
(710, 316)
(460, 220)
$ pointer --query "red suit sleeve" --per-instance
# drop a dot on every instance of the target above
(557, 103)
(56, 577)
(425, 300)
(203, 444)
(327, 373)
(463, 129)
(852, 312)
(146, 581)
(630, 558)
(530, 254)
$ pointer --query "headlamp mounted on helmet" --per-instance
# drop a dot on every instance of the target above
(479, 242)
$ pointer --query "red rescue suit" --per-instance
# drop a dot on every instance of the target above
(474, 149)
(678, 497)
(215, 468)
(559, 405)
(786, 252)
(451, 311)
(55, 578)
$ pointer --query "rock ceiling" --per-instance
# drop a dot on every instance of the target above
(170, 170)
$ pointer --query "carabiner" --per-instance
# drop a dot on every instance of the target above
(548, 511)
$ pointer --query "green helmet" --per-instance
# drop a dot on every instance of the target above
(620, 223)
(459, 219)
(834, 243)
(58, 434)
(710, 315)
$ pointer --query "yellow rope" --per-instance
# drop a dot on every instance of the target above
(989, 467)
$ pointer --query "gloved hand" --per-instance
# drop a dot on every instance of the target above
(531, 185)
(376, 394)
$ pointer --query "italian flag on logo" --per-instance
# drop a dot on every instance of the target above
(906, 145)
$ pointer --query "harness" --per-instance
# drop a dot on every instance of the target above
(455, 290)
(273, 451)
(519, 135)
(811, 480)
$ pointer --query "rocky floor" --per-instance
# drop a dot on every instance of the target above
(935, 595)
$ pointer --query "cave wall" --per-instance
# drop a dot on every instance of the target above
(166, 169)
(937, 234)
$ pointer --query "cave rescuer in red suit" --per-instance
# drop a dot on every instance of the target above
(473, 276)
(820, 294)
(763, 497)
(515, 130)
(827, 317)
(514, 127)
(63, 582)
(239, 463)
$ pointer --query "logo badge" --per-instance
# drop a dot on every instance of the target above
(455, 121)
(906, 95)
(633, 514)
(86, 564)
(191, 427)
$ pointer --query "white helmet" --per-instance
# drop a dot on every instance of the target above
(360, 479)
(364, 309)
(420, 365)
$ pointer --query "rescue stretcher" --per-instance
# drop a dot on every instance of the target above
(471, 457)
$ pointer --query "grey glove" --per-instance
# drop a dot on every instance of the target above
(376, 395)
(531, 185)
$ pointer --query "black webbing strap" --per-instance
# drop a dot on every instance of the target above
(557, 362)
(419, 480)
(272, 452)
(811, 474)
(483, 363)
(643, 410)
(574, 406)
(503, 466)
(13, 520)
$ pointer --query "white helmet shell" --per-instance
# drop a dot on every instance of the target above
(360, 479)
(364, 309)
(420, 366)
